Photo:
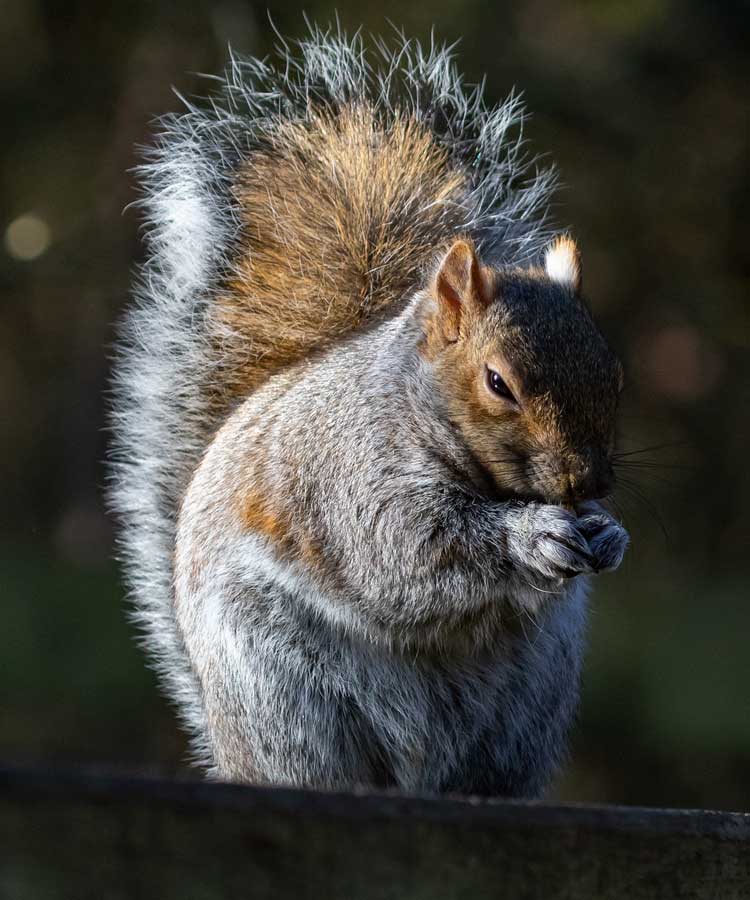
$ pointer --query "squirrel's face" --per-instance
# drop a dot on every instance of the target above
(525, 374)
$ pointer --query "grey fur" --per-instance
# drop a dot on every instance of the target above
(392, 667)
(332, 694)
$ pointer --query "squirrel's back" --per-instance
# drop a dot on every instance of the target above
(306, 201)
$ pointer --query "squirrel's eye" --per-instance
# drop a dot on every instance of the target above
(498, 386)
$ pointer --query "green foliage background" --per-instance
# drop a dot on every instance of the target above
(643, 104)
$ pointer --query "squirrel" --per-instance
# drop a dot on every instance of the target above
(363, 419)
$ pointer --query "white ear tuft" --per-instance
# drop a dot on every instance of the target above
(562, 262)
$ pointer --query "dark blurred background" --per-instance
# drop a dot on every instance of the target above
(644, 106)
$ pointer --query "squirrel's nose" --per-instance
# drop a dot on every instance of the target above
(590, 482)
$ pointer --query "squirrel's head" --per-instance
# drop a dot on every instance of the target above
(525, 373)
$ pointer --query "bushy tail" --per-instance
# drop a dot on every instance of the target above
(304, 201)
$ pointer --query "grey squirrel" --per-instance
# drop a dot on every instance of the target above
(362, 419)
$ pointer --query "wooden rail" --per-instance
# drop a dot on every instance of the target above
(83, 836)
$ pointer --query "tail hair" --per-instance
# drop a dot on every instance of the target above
(305, 199)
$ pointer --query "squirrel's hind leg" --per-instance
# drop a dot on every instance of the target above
(278, 712)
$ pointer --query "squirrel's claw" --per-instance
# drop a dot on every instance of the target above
(607, 539)
(551, 544)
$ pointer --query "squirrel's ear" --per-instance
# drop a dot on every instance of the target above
(461, 286)
(562, 261)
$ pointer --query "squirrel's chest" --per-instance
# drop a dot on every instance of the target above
(488, 727)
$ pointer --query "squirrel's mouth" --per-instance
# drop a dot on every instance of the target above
(519, 487)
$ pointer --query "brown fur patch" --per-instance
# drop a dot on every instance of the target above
(341, 216)
(258, 514)
(290, 540)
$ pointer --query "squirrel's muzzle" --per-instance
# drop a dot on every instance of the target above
(590, 476)
(573, 478)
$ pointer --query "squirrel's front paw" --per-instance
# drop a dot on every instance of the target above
(547, 540)
(606, 537)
